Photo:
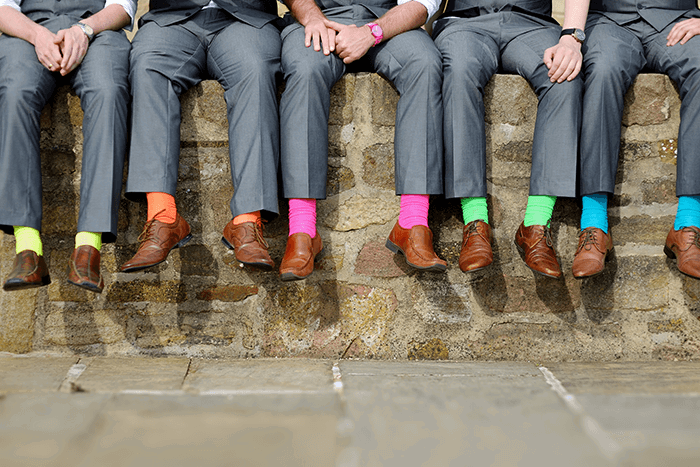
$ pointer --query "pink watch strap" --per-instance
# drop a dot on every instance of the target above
(377, 32)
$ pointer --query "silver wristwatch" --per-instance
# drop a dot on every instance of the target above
(89, 32)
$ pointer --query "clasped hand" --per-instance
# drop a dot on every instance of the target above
(563, 60)
(349, 42)
(61, 52)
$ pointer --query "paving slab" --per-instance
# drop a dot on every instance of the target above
(47, 429)
(114, 374)
(211, 430)
(439, 414)
(31, 374)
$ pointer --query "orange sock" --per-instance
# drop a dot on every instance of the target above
(161, 206)
(248, 217)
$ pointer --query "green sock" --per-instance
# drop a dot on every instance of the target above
(27, 238)
(89, 238)
(539, 210)
(475, 209)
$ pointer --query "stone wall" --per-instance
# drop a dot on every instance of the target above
(362, 301)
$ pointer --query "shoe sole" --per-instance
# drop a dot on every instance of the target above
(522, 256)
(86, 285)
(17, 284)
(179, 244)
(394, 248)
(263, 266)
(672, 255)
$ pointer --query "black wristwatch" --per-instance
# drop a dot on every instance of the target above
(578, 34)
(89, 32)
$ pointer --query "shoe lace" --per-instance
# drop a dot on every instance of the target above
(548, 237)
(147, 233)
(258, 232)
(695, 236)
(588, 238)
(471, 231)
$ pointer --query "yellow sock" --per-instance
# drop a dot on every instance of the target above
(89, 238)
(27, 238)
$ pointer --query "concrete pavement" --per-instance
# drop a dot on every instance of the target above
(58, 411)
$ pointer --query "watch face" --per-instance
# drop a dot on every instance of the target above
(376, 30)
(579, 35)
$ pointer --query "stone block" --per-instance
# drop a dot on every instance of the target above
(227, 293)
(509, 100)
(434, 349)
(384, 101)
(378, 166)
(650, 101)
(641, 229)
(139, 290)
(375, 259)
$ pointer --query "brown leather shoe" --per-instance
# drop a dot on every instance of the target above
(684, 245)
(157, 239)
(594, 245)
(416, 244)
(29, 270)
(476, 250)
(536, 246)
(84, 269)
(298, 261)
(247, 242)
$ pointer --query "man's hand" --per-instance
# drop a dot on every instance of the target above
(321, 32)
(47, 51)
(564, 60)
(73, 44)
(353, 42)
(683, 31)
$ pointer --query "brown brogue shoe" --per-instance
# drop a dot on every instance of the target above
(594, 247)
(84, 269)
(29, 270)
(684, 245)
(416, 244)
(157, 240)
(299, 256)
(476, 250)
(536, 246)
(247, 242)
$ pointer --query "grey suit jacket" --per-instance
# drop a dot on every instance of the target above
(658, 13)
(256, 13)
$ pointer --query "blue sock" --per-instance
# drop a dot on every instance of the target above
(595, 211)
(688, 212)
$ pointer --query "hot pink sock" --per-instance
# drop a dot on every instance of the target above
(302, 216)
(414, 211)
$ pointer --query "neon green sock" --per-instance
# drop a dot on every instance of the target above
(539, 210)
(89, 238)
(475, 209)
(27, 238)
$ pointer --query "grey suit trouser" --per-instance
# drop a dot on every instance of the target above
(166, 61)
(410, 61)
(101, 83)
(473, 49)
(613, 56)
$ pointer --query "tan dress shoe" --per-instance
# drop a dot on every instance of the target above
(157, 240)
(684, 246)
(476, 250)
(594, 245)
(84, 269)
(247, 242)
(416, 244)
(299, 256)
(536, 246)
(29, 270)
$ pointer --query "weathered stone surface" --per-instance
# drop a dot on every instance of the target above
(641, 229)
(77, 325)
(659, 191)
(434, 349)
(359, 211)
(384, 101)
(509, 100)
(340, 179)
(228, 293)
(325, 320)
(649, 101)
(438, 301)
(378, 166)
(147, 291)
(377, 260)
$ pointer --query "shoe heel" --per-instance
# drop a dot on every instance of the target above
(669, 252)
(183, 242)
(392, 246)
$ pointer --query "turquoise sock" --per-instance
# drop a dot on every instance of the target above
(539, 210)
(475, 209)
(688, 213)
(595, 211)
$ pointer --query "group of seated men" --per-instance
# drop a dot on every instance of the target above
(579, 72)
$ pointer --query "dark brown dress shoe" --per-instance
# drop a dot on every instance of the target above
(684, 245)
(157, 240)
(298, 261)
(476, 250)
(536, 246)
(29, 270)
(416, 244)
(594, 246)
(84, 269)
(247, 242)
